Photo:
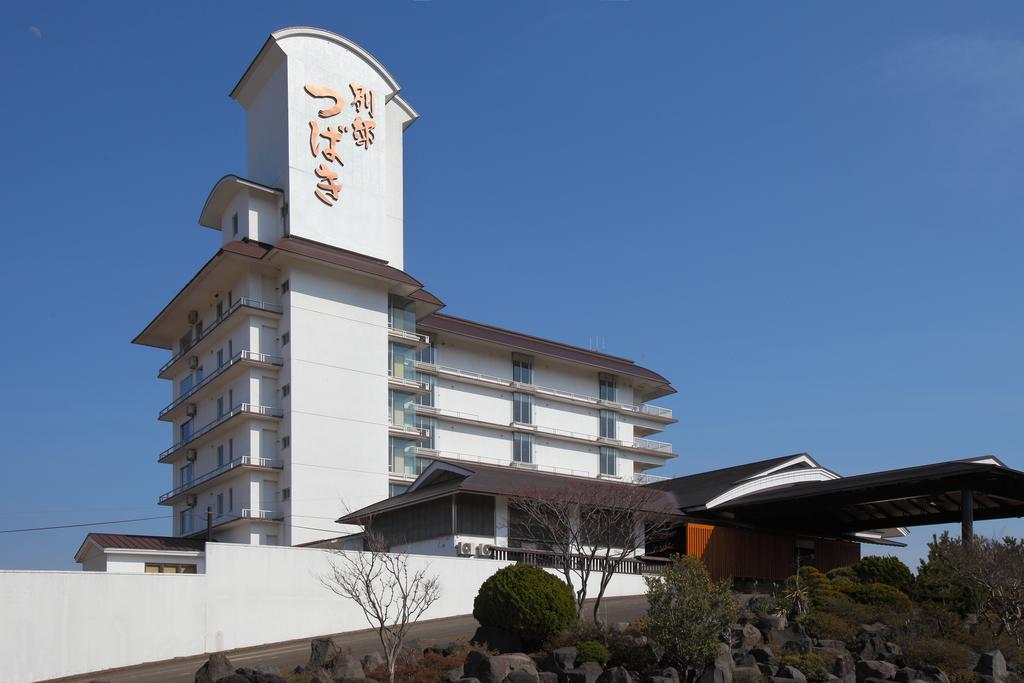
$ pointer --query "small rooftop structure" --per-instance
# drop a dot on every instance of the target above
(137, 554)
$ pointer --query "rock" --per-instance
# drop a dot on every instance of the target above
(469, 679)
(747, 673)
(347, 666)
(775, 622)
(494, 669)
(670, 672)
(373, 661)
(521, 677)
(615, 675)
(216, 667)
(992, 664)
(667, 675)
(320, 676)
(586, 672)
(791, 673)
(831, 644)
(743, 660)
(261, 674)
(845, 669)
(452, 675)
(719, 672)
(750, 637)
(767, 670)
(877, 628)
(657, 679)
(494, 638)
(762, 655)
(322, 652)
(547, 677)
(233, 678)
(868, 668)
(559, 660)
(934, 674)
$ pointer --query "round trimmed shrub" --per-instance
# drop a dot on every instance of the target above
(592, 651)
(889, 570)
(881, 595)
(527, 601)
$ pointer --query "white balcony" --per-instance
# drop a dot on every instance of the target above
(241, 358)
(246, 462)
(403, 384)
(250, 409)
(408, 431)
(407, 337)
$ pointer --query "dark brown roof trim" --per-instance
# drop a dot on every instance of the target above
(497, 335)
(140, 542)
(426, 297)
(346, 259)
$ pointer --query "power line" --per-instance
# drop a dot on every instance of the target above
(70, 526)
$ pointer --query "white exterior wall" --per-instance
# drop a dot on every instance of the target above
(105, 620)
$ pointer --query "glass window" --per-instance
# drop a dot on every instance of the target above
(402, 408)
(397, 489)
(185, 520)
(607, 383)
(220, 503)
(185, 385)
(231, 499)
(403, 456)
(403, 361)
(522, 408)
(185, 341)
(429, 426)
(607, 420)
(220, 455)
(401, 313)
(186, 430)
(185, 475)
(426, 354)
(199, 374)
(522, 369)
(220, 357)
(609, 460)
(220, 406)
(522, 447)
(231, 449)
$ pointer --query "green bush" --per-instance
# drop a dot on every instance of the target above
(882, 595)
(889, 570)
(842, 573)
(854, 614)
(810, 665)
(687, 612)
(592, 651)
(829, 626)
(818, 586)
(938, 582)
(948, 655)
(527, 601)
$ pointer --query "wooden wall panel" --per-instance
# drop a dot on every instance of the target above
(829, 555)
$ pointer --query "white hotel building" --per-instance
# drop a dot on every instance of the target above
(310, 375)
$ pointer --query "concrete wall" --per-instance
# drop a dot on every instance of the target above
(63, 623)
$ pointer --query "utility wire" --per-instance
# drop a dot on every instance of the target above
(70, 526)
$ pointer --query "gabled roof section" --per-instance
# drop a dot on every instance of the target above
(136, 542)
(537, 345)
(222, 194)
(351, 260)
(447, 477)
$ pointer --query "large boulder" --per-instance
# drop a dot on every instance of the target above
(373, 661)
(667, 675)
(347, 666)
(868, 668)
(216, 667)
(233, 678)
(992, 667)
(261, 674)
(559, 660)
(763, 655)
(720, 670)
(587, 672)
(750, 637)
(547, 677)
(793, 638)
(743, 660)
(521, 677)
(616, 674)
(498, 639)
(845, 669)
(791, 673)
(322, 652)
(494, 669)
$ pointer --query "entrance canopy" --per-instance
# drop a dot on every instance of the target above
(956, 491)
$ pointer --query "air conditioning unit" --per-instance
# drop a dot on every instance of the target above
(190, 500)
(465, 549)
(190, 409)
(483, 549)
(193, 362)
(193, 317)
(191, 455)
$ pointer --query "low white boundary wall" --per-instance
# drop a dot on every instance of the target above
(62, 623)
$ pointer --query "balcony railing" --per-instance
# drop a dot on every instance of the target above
(644, 478)
(632, 408)
(213, 474)
(411, 430)
(414, 337)
(237, 358)
(247, 408)
(448, 455)
(245, 302)
(651, 445)
(554, 560)
(256, 513)
(413, 384)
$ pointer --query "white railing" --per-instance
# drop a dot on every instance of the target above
(411, 336)
(453, 414)
(249, 408)
(450, 455)
(414, 384)
(651, 445)
(242, 302)
(644, 478)
(638, 408)
(256, 513)
(411, 430)
(237, 358)
(226, 467)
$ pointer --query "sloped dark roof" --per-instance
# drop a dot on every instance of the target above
(695, 490)
(525, 342)
(139, 542)
(499, 480)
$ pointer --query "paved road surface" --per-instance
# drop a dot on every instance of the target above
(286, 656)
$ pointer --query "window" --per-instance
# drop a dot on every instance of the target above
(185, 520)
(220, 504)
(286, 493)
(199, 374)
(270, 539)
(286, 441)
(426, 354)
(607, 383)
(231, 449)
(231, 348)
(397, 489)
(522, 447)
(220, 357)
(522, 369)
(403, 361)
(403, 457)
(401, 313)
(186, 341)
(231, 399)
(285, 390)
(285, 287)
(220, 455)
(185, 431)
(185, 385)
(522, 408)
(609, 460)
(429, 426)
(220, 406)
(401, 408)
(285, 338)
(220, 310)
(234, 224)
(231, 499)
(162, 568)
(607, 420)
(185, 475)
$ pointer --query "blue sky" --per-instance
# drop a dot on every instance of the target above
(807, 215)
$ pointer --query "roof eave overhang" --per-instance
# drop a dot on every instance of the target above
(223, 193)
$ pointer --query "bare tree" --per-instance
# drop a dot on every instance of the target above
(994, 571)
(591, 529)
(392, 595)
